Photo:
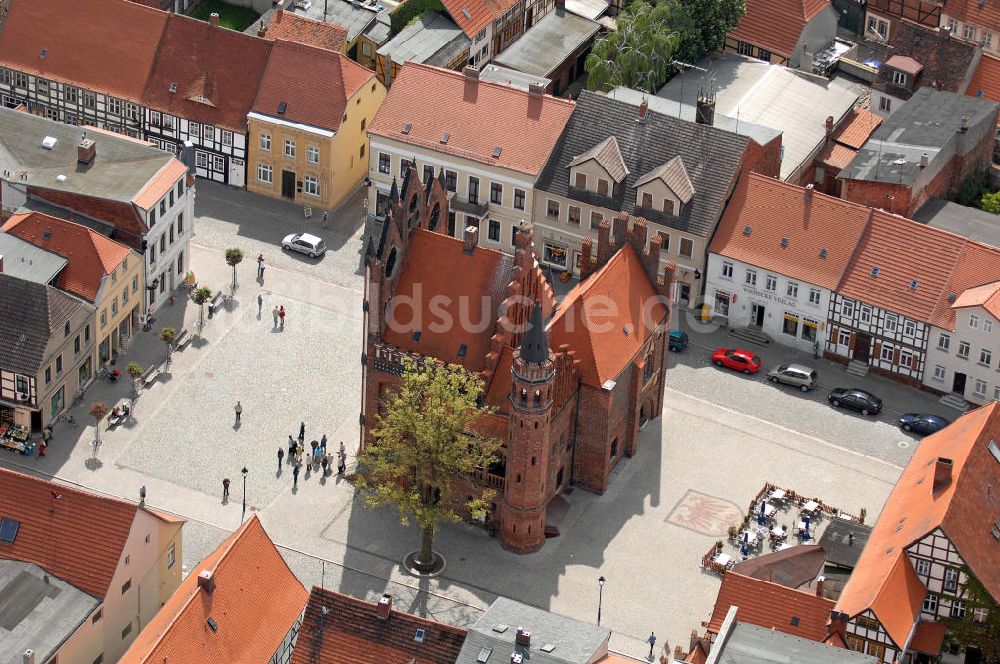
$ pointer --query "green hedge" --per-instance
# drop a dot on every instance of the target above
(410, 10)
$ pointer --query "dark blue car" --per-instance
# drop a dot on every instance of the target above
(678, 340)
(922, 424)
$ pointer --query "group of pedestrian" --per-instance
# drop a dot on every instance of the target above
(279, 316)
(317, 458)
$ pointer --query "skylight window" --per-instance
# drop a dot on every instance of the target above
(407, 127)
(496, 152)
(444, 137)
(419, 636)
(747, 230)
(484, 655)
(282, 107)
(8, 529)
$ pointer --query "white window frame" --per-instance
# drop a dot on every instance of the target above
(930, 603)
(985, 357)
(265, 173)
(847, 308)
(865, 315)
(899, 77)
(312, 155)
(727, 270)
(310, 185)
(227, 138)
(289, 149)
(523, 196)
(909, 328)
(885, 104)
(923, 566)
(964, 348)
(751, 278)
(980, 389)
(201, 159)
(844, 338)
(771, 283)
(815, 296)
(265, 142)
(939, 373)
(792, 290)
(891, 321)
(886, 353)
(944, 341)
(974, 321)
(987, 325)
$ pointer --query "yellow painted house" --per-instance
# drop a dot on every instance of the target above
(308, 127)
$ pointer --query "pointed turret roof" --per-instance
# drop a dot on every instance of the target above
(535, 344)
(394, 192)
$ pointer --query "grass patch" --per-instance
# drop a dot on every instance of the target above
(233, 17)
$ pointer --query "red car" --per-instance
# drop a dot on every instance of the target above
(736, 358)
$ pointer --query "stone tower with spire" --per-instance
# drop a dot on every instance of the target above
(525, 494)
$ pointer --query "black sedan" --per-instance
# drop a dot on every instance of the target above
(922, 423)
(864, 402)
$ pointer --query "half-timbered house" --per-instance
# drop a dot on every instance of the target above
(936, 535)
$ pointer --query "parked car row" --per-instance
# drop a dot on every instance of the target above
(805, 378)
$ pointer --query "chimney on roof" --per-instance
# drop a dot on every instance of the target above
(86, 151)
(471, 238)
(516, 658)
(471, 73)
(942, 473)
(1, 263)
(838, 623)
(522, 637)
(384, 607)
(704, 112)
(820, 586)
(806, 60)
(809, 192)
(213, 19)
(643, 109)
(536, 89)
(261, 30)
(206, 580)
(964, 124)
(829, 125)
(28, 657)
(923, 160)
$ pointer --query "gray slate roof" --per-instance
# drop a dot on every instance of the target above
(30, 314)
(840, 549)
(711, 158)
(974, 224)
(24, 260)
(926, 124)
(121, 170)
(750, 644)
(432, 39)
(574, 642)
(547, 44)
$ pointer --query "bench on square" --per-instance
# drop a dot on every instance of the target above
(216, 302)
(149, 375)
(182, 340)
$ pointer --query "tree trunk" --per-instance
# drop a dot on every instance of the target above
(426, 558)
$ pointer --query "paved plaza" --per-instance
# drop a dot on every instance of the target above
(721, 437)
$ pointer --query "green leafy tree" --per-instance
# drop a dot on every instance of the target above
(975, 629)
(972, 188)
(713, 20)
(134, 370)
(234, 257)
(638, 54)
(991, 202)
(200, 296)
(422, 445)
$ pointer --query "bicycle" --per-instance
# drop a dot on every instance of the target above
(109, 375)
(68, 419)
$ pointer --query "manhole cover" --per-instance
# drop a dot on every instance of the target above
(904, 444)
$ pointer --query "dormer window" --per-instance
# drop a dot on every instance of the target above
(602, 186)
(647, 200)
(900, 78)
(668, 206)
(580, 181)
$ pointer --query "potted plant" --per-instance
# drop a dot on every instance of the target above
(718, 546)
(135, 371)
(732, 532)
(862, 516)
(200, 296)
(98, 410)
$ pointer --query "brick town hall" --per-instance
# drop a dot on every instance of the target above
(570, 381)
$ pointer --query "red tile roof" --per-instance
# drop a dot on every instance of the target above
(78, 537)
(90, 255)
(313, 83)
(836, 156)
(986, 296)
(256, 600)
(986, 78)
(607, 318)
(978, 264)
(904, 63)
(160, 184)
(211, 63)
(436, 293)
(774, 210)
(776, 24)
(294, 28)
(883, 579)
(474, 15)
(352, 633)
(477, 116)
(771, 606)
(855, 129)
(928, 637)
(903, 250)
(984, 14)
(83, 43)
(120, 214)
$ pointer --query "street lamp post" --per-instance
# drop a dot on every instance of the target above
(243, 516)
(600, 598)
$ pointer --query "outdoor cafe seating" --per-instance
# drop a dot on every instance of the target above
(15, 438)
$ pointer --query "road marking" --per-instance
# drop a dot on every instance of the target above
(782, 427)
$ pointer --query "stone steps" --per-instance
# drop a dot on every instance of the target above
(954, 400)
(752, 335)
(857, 368)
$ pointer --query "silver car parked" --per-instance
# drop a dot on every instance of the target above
(304, 243)
(797, 375)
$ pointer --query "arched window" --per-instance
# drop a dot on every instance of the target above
(390, 262)
(435, 216)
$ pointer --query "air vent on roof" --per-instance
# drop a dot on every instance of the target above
(444, 137)
(548, 647)
(8, 529)
(282, 107)
(913, 284)
(407, 127)
(418, 636)
(214, 625)
(952, 297)
(466, 14)
(500, 628)
(49, 142)
(822, 253)
(784, 242)
(899, 162)
(890, 550)
(173, 87)
(484, 655)
(496, 152)
(875, 271)
(746, 230)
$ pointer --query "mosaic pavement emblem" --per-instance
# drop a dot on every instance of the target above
(704, 514)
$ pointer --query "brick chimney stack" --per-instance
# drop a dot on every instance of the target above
(829, 125)
(86, 151)
(213, 19)
(471, 238)
(522, 637)
(643, 109)
(1, 263)
(471, 73)
(384, 607)
(820, 586)
(942, 473)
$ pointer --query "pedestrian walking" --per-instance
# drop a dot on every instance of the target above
(41, 448)
(281, 315)
(326, 219)
(239, 411)
(295, 474)
(302, 432)
(341, 463)
(652, 642)
(342, 451)
(291, 448)
(325, 462)
(260, 304)
(322, 443)
(281, 457)
(260, 266)
(225, 488)
(275, 314)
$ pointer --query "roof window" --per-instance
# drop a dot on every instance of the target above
(214, 625)
(444, 137)
(875, 271)
(496, 152)
(747, 230)
(795, 621)
(462, 350)
(548, 647)
(173, 87)
(822, 253)
(784, 242)
(407, 127)
(49, 142)
(282, 107)
(419, 635)
(484, 655)
(913, 284)
(466, 14)
(8, 529)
